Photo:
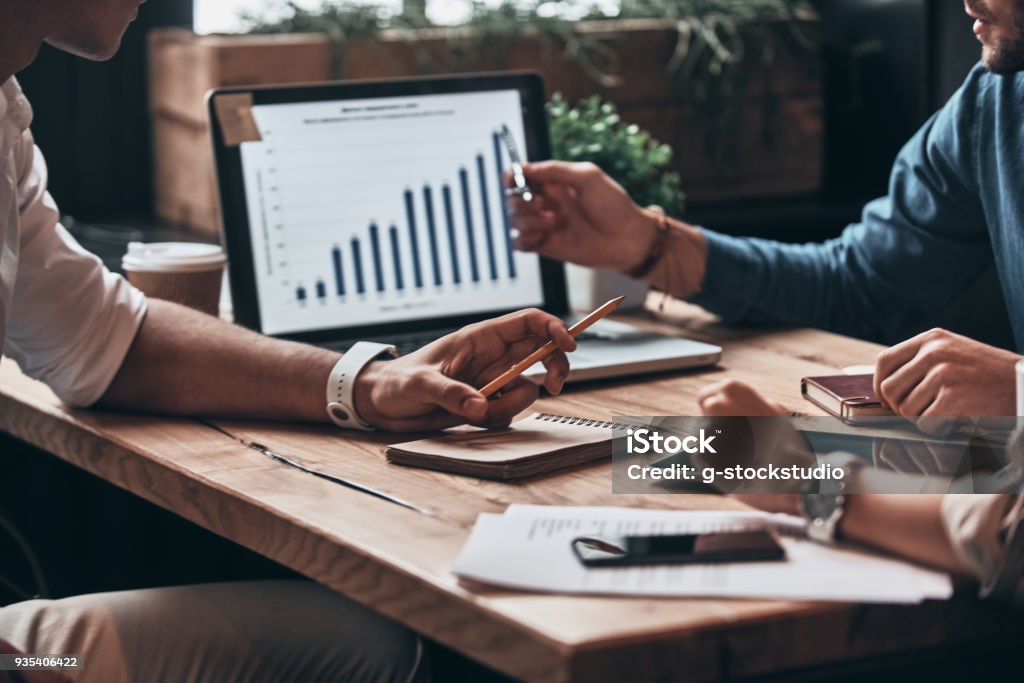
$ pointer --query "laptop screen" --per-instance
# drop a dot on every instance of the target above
(384, 210)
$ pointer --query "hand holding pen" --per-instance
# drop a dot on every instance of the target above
(520, 187)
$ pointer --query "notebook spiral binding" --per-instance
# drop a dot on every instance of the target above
(582, 421)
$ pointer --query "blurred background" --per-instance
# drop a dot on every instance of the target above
(821, 95)
(771, 118)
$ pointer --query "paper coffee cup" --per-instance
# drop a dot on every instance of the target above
(1020, 389)
(183, 272)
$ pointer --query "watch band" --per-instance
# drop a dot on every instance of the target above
(823, 524)
(822, 528)
(341, 407)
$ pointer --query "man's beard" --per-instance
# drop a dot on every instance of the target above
(1007, 57)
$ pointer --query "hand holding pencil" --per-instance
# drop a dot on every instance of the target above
(544, 352)
(436, 387)
(433, 388)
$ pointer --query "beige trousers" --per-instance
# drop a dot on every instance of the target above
(217, 633)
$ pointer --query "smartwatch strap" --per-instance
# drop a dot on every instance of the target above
(341, 407)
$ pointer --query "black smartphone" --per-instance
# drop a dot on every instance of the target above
(622, 551)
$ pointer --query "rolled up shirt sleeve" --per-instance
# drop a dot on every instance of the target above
(71, 321)
(986, 534)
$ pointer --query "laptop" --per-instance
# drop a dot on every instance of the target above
(375, 211)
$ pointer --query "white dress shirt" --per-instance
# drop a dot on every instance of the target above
(64, 318)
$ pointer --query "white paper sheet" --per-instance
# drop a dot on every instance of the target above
(528, 548)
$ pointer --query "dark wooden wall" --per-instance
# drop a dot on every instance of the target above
(92, 124)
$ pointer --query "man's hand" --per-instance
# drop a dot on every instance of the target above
(757, 436)
(733, 398)
(939, 376)
(580, 215)
(436, 387)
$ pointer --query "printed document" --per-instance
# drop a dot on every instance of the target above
(529, 548)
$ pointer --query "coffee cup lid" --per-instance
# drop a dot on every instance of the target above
(177, 257)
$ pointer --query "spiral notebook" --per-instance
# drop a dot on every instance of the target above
(540, 444)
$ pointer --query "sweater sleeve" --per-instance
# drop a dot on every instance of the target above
(912, 252)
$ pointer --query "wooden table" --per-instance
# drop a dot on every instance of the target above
(397, 561)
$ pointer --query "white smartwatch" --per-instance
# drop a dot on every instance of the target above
(341, 406)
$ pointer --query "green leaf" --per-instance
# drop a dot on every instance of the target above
(591, 131)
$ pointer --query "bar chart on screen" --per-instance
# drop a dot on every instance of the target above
(385, 209)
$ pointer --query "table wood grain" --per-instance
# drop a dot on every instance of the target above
(397, 561)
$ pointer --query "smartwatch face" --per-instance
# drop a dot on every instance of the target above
(821, 505)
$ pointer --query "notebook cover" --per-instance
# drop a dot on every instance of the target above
(537, 445)
(846, 396)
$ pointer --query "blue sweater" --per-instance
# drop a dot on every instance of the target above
(955, 207)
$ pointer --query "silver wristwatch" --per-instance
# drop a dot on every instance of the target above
(823, 512)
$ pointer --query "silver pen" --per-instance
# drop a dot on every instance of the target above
(522, 188)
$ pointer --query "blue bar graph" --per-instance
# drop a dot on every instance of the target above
(470, 235)
(396, 256)
(468, 200)
(357, 262)
(492, 261)
(378, 268)
(435, 257)
(510, 248)
(414, 240)
(339, 274)
(453, 246)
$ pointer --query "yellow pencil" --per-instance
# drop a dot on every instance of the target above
(548, 349)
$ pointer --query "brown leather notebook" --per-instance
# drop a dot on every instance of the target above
(848, 397)
(538, 445)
